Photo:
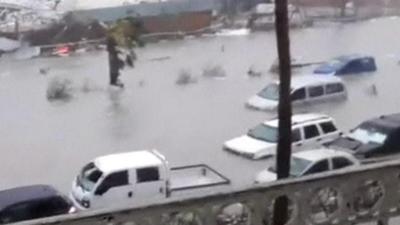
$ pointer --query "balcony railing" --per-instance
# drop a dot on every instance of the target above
(347, 197)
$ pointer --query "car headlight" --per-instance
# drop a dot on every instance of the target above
(86, 203)
(72, 210)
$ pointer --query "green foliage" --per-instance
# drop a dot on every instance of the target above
(127, 32)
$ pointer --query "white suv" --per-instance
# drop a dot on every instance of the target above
(308, 131)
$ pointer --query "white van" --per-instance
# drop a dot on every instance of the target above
(308, 131)
(139, 177)
(304, 89)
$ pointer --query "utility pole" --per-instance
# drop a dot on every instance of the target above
(280, 215)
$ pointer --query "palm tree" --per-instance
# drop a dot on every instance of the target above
(284, 109)
(125, 33)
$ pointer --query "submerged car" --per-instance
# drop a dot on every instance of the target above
(311, 162)
(32, 202)
(304, 89)
(308, 130)
(377, 137)
(351, 64)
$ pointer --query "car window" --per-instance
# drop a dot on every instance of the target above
(328, 127)
(311, 131)
(296, 136)
(299, 94)
(113, 180)
(147, 174)
(316, 91)
(334, 88)
(341, 162)
(319, 167)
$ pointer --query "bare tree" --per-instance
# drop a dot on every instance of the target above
(284, 109)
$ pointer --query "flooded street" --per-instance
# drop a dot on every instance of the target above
(48, 142)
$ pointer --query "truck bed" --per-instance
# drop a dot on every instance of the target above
(195, 176)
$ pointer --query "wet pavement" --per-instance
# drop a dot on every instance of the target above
(48, 142)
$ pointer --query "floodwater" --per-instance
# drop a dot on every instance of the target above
(48, 142)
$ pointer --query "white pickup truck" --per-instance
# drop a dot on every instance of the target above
(138, 177)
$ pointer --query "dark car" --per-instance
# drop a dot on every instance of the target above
(377, 137)
(351, 64)
(32, 202)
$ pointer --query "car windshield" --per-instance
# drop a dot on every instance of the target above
(270, 92)
(369, 133)
(89, 177)
(265, 133)
(297, 166)
(368, 136)
(336, 63)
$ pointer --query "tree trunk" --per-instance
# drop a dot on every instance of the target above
(284, 108)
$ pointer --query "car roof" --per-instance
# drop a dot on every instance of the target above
(300, 118)
(319, 154)
(348, 58)
(24, 194)
(390, 121)
(312, 80)
(122, 161)
(306, 80)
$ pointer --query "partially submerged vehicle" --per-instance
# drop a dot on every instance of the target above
(308, 130)
(311, 162)
(32, 202)
(139, 177)
(304, 89)
(374, 139)
(349, 64)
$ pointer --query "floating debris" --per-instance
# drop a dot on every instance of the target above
(253, 73)
(215, 71)
(163, 58)
(185, 78)
(44, 71)
(59, 89)
(374, 90)
(141, 83)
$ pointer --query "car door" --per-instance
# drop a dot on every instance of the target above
(149, 184)
(318, 167)
(298, 96)
(297, 139)
(17, 212)
(315, 93)
(312, 136)
(392, 144)
(335, 91)
(328, 131)
(113, 189)
(341, 162)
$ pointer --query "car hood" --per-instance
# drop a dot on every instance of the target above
(355, 146)
(248, 144)
(265, 176)
(261, 103)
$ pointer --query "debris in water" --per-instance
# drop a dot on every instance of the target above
(215, 71)
(374, 90)
(59, 89)
(44, 71)
(160, 58)
(185, 78)
(141, 83)
(252, 73)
